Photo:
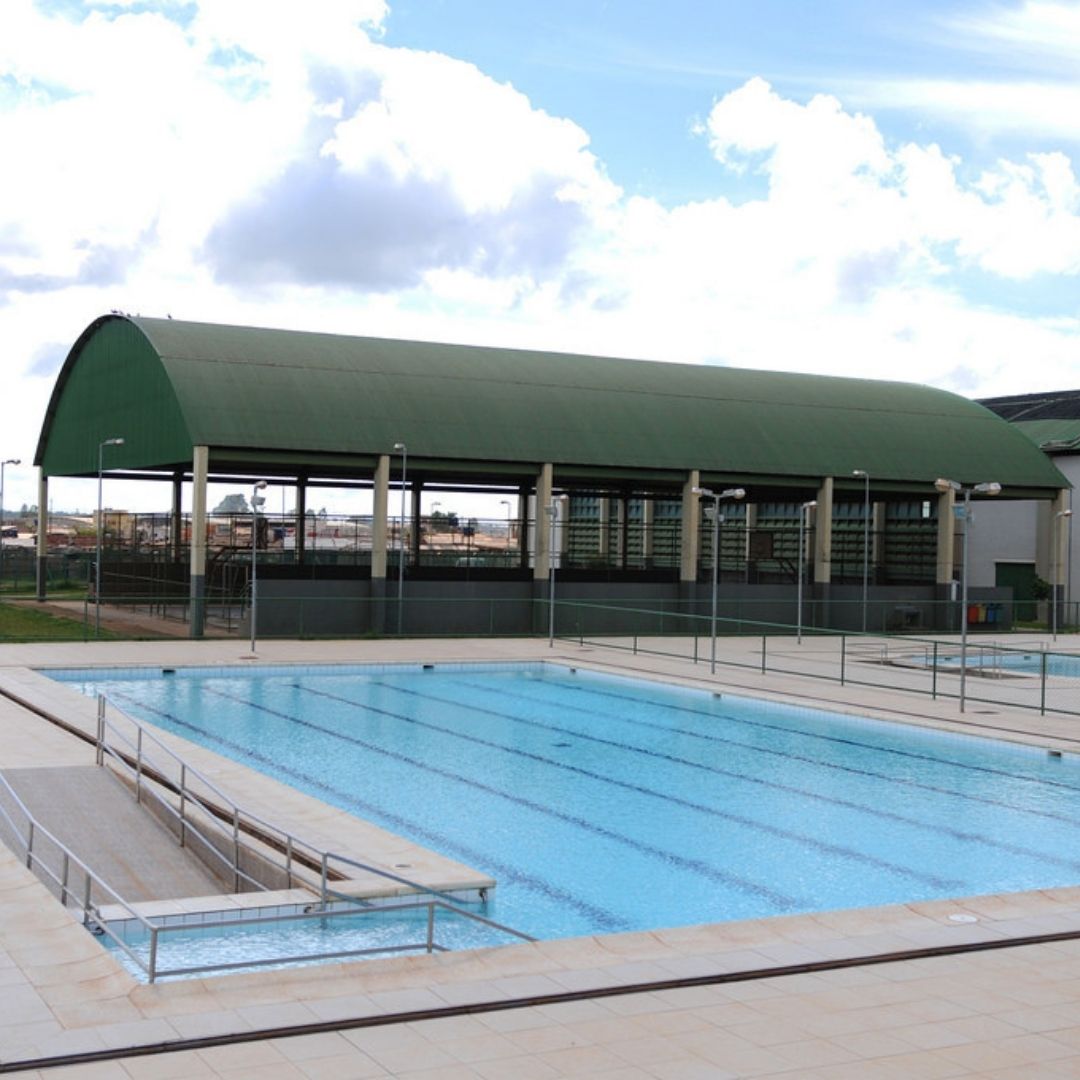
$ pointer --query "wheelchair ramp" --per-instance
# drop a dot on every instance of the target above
(89, 811)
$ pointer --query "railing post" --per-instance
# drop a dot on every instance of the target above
(764, 663)
(151, 972)
(933, 670)
(99, 750)
(183, 803)
(288, 860)
(64, 879)
(843, 657)
(325, 878)
(138, 765)
(86, 898)
(1042, 687)
(30, 847)
(430, 927)
(236, 848)
(635, 643)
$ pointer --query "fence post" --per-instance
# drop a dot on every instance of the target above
(933, 671)
(30, 847)
(64, 879)
(138, 765)
(430, 927)
(843, 657)
(151, 972)
(325, 876)
(764, 665)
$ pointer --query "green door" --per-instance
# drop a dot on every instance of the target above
(1020, 577)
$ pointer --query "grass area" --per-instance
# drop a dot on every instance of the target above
(19, 623)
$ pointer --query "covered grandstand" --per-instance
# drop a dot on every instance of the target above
(627, 441)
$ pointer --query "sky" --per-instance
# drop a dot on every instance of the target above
(867, 188)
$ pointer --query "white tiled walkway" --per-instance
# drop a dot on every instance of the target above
(1010, 1012)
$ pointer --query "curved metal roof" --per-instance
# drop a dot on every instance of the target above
(168, 385)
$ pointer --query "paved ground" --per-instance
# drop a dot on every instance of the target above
(800, 997)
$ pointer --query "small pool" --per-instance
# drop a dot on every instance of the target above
(1018, 663)
(604, 804)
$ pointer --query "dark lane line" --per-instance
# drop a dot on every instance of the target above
(781, 901)
(598, 917)
(850, 854)
(934, 828)
(988, 770)
(985, 800)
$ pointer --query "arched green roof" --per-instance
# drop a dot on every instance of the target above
(168, 385)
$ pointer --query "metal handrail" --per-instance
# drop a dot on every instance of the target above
(91, 912)
(242, 821)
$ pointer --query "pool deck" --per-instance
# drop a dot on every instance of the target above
(986, 987)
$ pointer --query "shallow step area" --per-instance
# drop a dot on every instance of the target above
(97, 818)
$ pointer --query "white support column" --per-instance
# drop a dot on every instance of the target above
(823, 530)
(691, 518)
(200, 471)
(541, 529)
(946, 537)
(42, 535)
(379, 508)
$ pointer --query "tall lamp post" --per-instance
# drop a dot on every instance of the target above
(1057, 564)
(552, 511)
(989, 488)
(118, 441)
(256, 501)
(403, 450)
(717, 498)
(865, 477)
(804, 525)
(3, 465)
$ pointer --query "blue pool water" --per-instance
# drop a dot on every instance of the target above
(1022, 663)
(606, 804)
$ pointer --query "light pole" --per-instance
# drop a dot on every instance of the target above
(403, 450)
(552, 511)
(804, 525)
(989, 488)
(118, 441)
(717, 498)
(256, 501)
(1057, 564)
(865, 477)
(3, 465)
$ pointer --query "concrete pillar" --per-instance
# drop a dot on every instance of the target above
(200, 470)
(301, 520)
(414, 524)
(691, 519)
(544, 485)
(176, 524)
(946, 538)
(42, 535)
(380, 505)
(823, 531)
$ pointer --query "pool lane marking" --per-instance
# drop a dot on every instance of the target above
(853, 770)
(695, 866)
(599, 916)
(824, 846)
(935, 827)
(803, 733)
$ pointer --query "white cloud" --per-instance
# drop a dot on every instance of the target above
(291, 170)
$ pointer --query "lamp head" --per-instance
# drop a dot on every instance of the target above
(992, 488)
(707, 492)
(260, 484)
(809, 505)
(1064, 513)
(733, 493)
(399, 448)
(945, 486)
(862, 474)
(13, 461)
(118, 441)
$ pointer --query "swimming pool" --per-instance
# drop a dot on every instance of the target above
(604, 804)
(1015, 662)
